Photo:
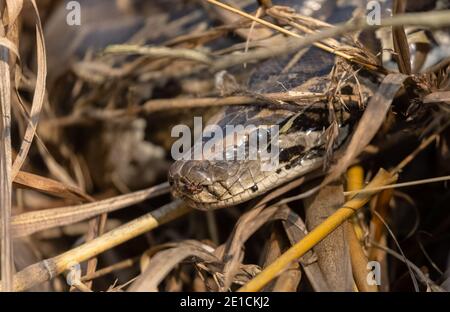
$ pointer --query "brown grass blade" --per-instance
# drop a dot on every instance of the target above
(400, 40)
(32, 222)
(49, 186)
(38, 97)
(6, 255)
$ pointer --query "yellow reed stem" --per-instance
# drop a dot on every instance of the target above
(355, 178)
(355, 182)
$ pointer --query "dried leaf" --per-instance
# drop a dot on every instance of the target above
(227, 18)
(49, 186)
(400, 40)
(333, 253)
(296, 229)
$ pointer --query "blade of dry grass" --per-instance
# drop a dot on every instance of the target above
(158, 52)
(49, 186)
(5, 42)
(400, 40)
(38, 97)
(32, 222)
(7, 261)
(398, 185)
(246, 226)
(114, 267)
(321, 45)
(423, 277)
(394, 238)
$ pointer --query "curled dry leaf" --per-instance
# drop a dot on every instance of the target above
(247, 225)
(163, 262)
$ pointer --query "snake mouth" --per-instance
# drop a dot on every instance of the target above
(189, 180)
(184, 186)
(206, 184)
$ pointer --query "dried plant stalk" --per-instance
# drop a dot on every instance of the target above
(5, 171)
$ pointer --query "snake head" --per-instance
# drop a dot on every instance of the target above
(210, 185)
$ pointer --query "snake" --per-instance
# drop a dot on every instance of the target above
(210, 184)
(303, 146)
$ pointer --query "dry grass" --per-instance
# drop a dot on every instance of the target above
(86, 143)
